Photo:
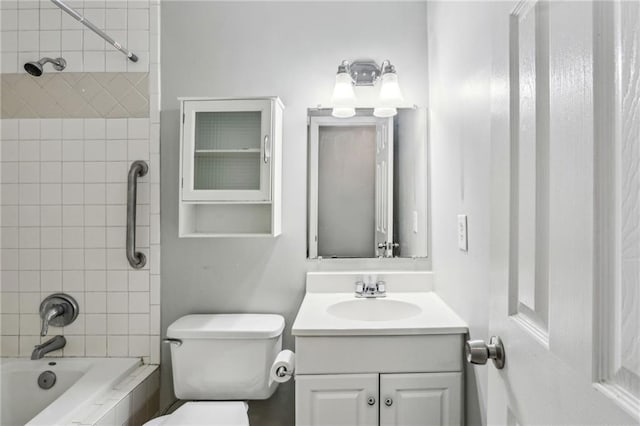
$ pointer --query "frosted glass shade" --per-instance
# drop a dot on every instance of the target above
(384, 112)
(343, 112)
(390, 96)
(344, 98)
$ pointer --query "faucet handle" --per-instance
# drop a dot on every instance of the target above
(359, 287)
(58, 309)
(381, 286)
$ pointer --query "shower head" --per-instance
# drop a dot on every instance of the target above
(37, 68)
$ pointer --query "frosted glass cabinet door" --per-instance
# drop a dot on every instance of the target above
(420, 399)
(227, 147)
(337, 400)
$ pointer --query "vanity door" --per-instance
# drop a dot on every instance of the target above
(337, 400)
(420, 399)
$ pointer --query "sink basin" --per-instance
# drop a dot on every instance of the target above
(373, 310)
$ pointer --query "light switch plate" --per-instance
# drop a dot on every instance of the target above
(462, 232)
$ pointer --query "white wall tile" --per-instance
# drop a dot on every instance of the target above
(71, 40)
(29, 41)
(51, 281)
(9, 62)
(95, 302)
(96, 346)
(9, 20)
(73, 128)
(51, 150)
(96, 324)
(28, 19)
(69, 178)
(51, 172)
(50, 19)
(118, 346)
(117, 302)
(50, 41)
(116, 19)
(95, 280)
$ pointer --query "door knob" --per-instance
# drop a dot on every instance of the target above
(478, 352)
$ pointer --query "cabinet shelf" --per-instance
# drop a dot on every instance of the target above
(227, 151)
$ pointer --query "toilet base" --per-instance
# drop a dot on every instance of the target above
(206, 413)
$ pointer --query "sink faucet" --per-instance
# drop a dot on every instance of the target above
(370, 289)
(50, 345)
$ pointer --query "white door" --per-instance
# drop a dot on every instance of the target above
(420, 399)
(337, 400)
(384, 188)
(565, 295)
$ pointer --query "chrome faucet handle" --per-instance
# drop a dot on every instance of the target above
(359, 287)
(381, 287)
(57, 309)
(52, 312)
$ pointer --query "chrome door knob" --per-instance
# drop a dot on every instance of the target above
(478, 352)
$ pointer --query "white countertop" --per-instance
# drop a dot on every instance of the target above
(436, 317)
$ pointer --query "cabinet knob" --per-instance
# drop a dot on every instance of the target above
(371, 401)
(388, 402)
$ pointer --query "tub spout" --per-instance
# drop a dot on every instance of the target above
(50, 345)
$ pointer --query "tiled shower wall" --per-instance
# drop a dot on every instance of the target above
(63, 185)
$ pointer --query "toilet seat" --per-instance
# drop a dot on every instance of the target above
(206, 413)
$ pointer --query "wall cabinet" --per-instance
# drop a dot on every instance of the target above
(230, 167)
(405, 399)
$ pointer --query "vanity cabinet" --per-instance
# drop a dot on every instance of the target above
(379, 399)
(230, 167)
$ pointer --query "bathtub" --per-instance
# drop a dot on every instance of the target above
(79, 381)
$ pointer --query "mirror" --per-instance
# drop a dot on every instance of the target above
(367, 177)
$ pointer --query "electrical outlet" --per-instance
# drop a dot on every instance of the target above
(462, 232)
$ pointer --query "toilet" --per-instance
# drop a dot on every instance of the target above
(219, 362)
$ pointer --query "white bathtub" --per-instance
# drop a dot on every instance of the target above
(79, 382)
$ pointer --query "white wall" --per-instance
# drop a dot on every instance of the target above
(289, 49)
(468, 44)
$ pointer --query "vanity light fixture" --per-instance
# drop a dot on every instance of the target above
(366, 73)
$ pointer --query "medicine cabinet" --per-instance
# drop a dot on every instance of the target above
(230, 167)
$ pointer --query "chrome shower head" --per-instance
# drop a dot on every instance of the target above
(37, 68)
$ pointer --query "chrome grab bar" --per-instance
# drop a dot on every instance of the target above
(78, 17)
(138, 169)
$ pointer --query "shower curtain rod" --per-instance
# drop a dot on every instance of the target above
(129, 54)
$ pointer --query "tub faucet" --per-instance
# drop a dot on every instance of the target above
(58, 310)
(50, 345)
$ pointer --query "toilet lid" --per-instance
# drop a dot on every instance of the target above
(207, 413)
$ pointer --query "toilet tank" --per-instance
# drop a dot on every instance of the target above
(226, 356)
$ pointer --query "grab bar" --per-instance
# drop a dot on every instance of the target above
(75, 15)
(138, 169)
